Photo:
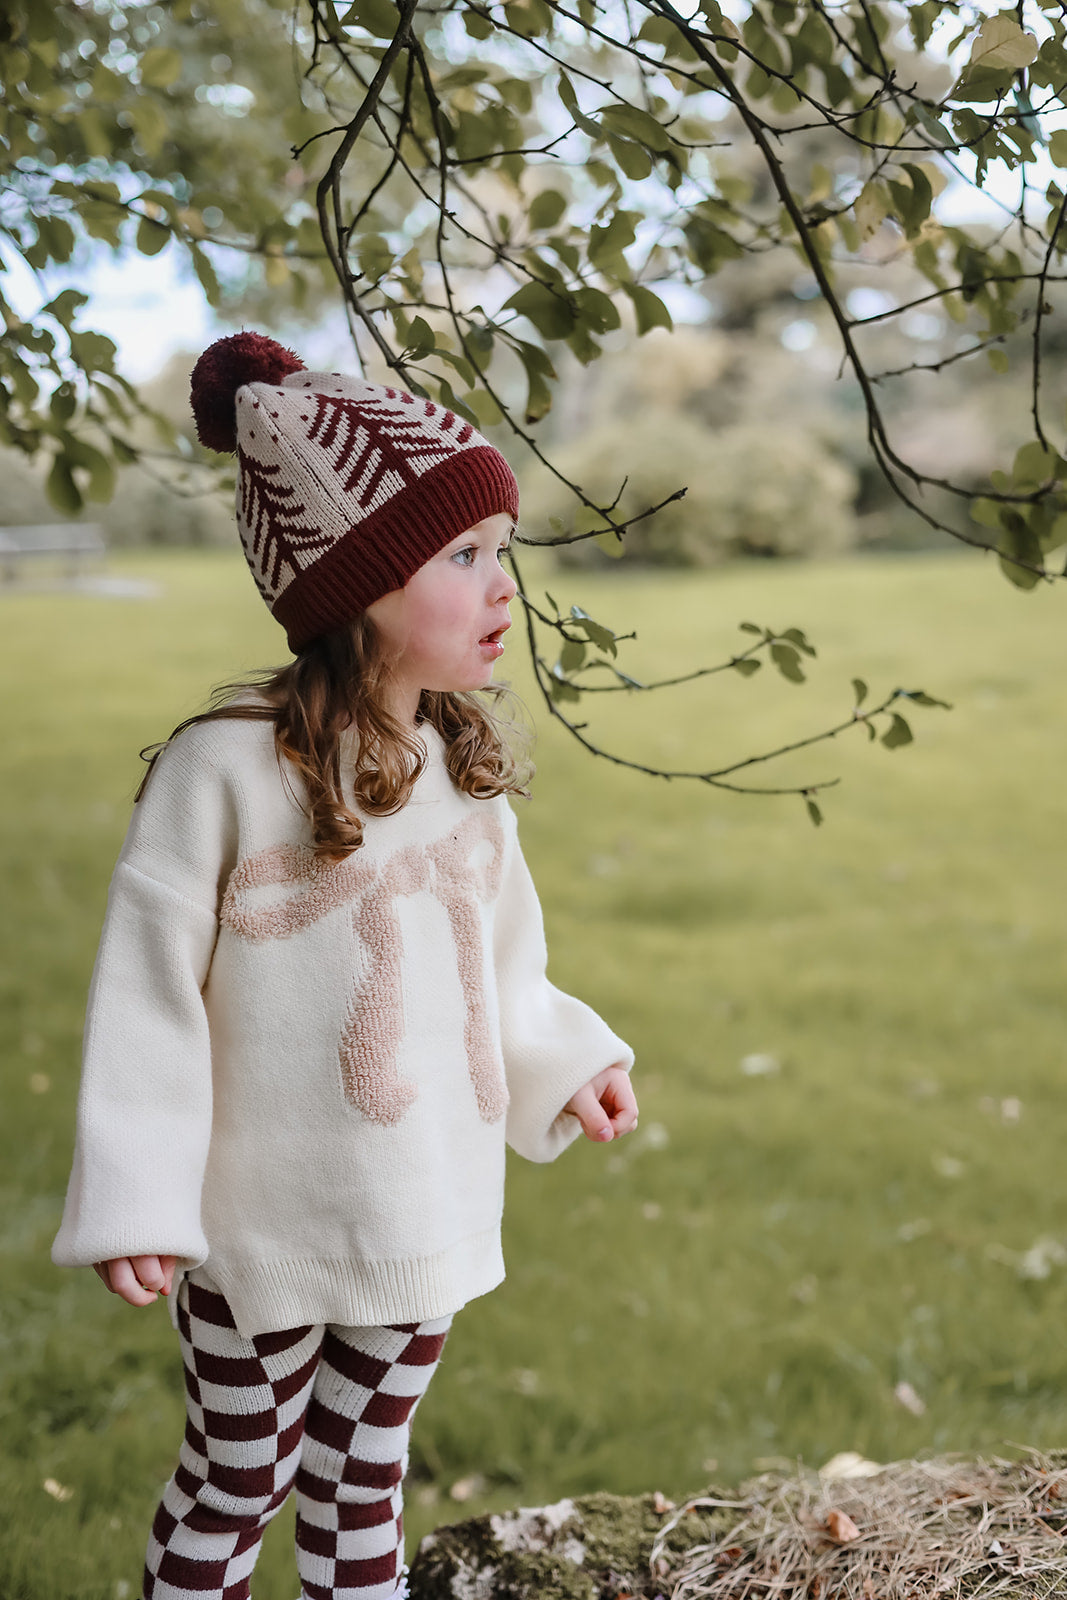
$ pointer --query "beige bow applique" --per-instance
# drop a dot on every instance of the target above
(370, 1042)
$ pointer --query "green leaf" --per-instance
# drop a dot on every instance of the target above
(813, 811)
(632, 160)
(94, 134)
(539, 395)
(124, 452)
(420, 338)
(94, 352)
(921, 698)
(787, 660)
(898, 733)
(1057, 147)
(205, 273)
(859, 691)
(1002, 43)
(751, 627)
(150, 124)
(87, 458)
(552, 314)
(746, 665)
(635, 124)
(477, 26)
(648, 308)
(578, 116)
(931, 126)
(1034, 464)
(152, 237)
(597, 310)
(378, 17)
(800, 639)
(611, 544)
(57, 238)
(562, 689)
(546, 209)
(602, 637)
(607, 243)
(572, 655)
(998, 358)
(61, 489)
(65, 306)
(160, 67)
(530, 17)
(63, 403)
(1018, 542)
(376, 256)
(452, 402)
(458, 364)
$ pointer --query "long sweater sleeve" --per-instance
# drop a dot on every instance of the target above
(145, 1102)
(552, 1043)
(292, 1067)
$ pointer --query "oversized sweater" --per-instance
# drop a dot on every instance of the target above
(302, 1073)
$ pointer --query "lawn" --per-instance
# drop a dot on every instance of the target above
(850, 1046)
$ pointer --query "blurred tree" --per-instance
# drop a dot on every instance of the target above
(497, 183)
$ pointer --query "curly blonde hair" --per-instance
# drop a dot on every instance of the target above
(338, 682)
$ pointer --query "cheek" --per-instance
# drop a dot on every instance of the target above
(446, 611)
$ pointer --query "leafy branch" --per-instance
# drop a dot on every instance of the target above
(561, 684)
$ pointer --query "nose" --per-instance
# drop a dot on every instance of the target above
(506, 587)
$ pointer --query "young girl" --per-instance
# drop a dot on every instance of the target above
(319, 1008)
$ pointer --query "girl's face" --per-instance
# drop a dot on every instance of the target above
(443, 629)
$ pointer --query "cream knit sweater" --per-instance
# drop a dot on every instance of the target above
(304, 1074)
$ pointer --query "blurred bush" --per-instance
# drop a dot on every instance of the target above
(751, 491)
(152, 503)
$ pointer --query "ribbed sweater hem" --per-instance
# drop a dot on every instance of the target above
(272, 1295)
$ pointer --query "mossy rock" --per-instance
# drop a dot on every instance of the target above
(595, 1547)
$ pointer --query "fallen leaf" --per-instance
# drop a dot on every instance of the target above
(465, 1488)
(841, 1528)
(759, 1065)
(850, 1464)
(907, 1397)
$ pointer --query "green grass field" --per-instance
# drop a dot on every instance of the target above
(757, 1269)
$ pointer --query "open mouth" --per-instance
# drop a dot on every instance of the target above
(496, 637)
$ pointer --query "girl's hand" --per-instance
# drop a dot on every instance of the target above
(606, 1108)
(137, 1279)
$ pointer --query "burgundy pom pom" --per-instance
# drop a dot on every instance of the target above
(221, 371)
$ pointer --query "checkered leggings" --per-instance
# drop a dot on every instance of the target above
(327, 1409)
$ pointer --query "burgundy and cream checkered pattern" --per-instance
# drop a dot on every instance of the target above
(345, 488)
(327, 1409)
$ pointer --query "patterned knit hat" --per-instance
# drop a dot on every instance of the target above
(344, 488)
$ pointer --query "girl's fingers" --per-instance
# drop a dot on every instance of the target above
(149, 1272)
(122, 1279)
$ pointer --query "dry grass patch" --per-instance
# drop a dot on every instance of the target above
(915, 1528)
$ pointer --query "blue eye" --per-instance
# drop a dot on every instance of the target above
(465, 557)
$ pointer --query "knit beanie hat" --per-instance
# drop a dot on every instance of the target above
(344, 488)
